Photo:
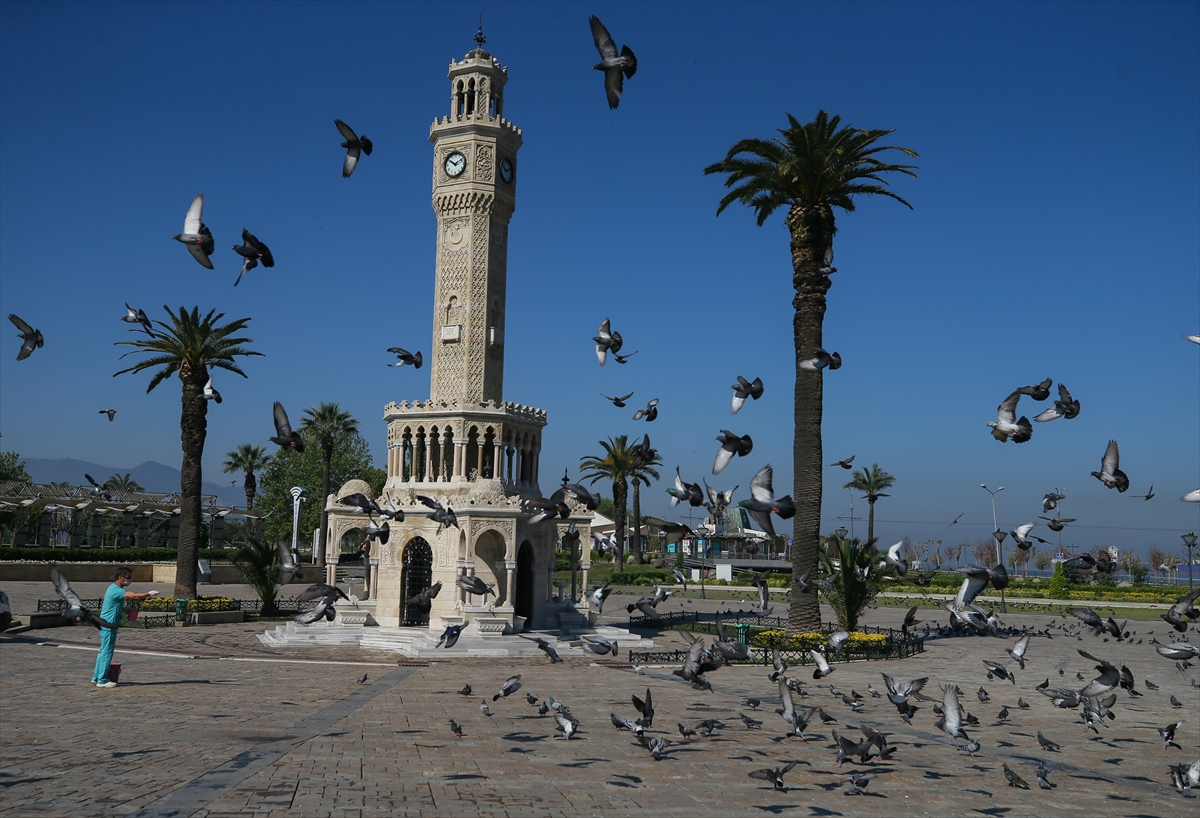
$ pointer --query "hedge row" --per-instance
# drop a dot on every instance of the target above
(129, 555)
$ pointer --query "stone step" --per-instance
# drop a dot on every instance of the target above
(422, 644)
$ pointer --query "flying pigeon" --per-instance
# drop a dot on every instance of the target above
(568, 725)
(1039, 392)
(823, 667)
(405, 357)
(820, 360)
(1017, 651)
(32, 338)
(581, 495)
(440, 514)
(745, 389)
(1148, 495)
(845, 464)
(775, 775)
(599, 645)
(892, 559)
(1168, 735)
(511, 685)
(643, 455)
(73, 608)
(1110, 475)
(475, 585)
(549, 650)
(615, 66)
(718, 501)
(361, 502)
(597, 597)
(323, 609)
(449, 638)
(1064, 407)
(424, 600)
(98, 489)
(952, 716)
(1050, 501)
(763, 503)
(288, 567)
(1022, 537)
(319, 590)
(645, 708)
(196, 235)
(1006, 424)
(1183, 608)
(133, 316)
(657, 746)
(683, 491)
(284, 436)
(617, 402)
(623, 359)
(606, 340)
(1057, 523)
(110, 412)
(355, 146)
(210, 393)
(1191, 497)
(253, 251)
(731, 444)
(377, 532)
(650, 413)
(827, 269)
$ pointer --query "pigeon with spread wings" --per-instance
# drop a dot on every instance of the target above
(31, 338)
(355, 146)
(284, 436)
(616, 66)
(762, 502)
(196, 235)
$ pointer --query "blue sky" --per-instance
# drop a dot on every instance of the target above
(1055, 233)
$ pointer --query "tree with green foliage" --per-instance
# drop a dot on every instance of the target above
(812, 169)
(351, 457)
(247, 458)
(871, 482)
(12, 467)
(1060, 584)
(258, 563)
(119, 484)
(846, 560)
(321, 425)
(189, 346)
(616, 465)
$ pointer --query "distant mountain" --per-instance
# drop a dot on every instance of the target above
(151, 475)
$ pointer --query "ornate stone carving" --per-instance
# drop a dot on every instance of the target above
(484, 163)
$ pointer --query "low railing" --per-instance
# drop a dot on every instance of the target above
(196, 605)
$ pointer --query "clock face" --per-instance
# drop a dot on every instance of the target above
(455, 164)
(506, 169)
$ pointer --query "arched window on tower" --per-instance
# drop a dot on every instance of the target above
(460, 100)
(470, 97)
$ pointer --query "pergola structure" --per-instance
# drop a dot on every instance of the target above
(140, 507)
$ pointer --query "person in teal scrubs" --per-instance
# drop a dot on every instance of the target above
(110, 611)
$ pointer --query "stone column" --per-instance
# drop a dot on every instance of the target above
(143, 532)
(479, 456)
(518, 469)
(460, 458)
(374, 570)
(126, 530)
(96, 537)
(429, 476)
(533, 478)
(497, 462)
(510, 583)
(173, 532)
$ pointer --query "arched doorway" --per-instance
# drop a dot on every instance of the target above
(415, 576)
(523, 604)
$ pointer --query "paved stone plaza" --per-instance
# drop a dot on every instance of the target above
(209, 722)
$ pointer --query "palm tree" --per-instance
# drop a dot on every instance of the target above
(871, 483)
(616, 465)
(641, 473)
(247, 458)
(322, 424)
(118, 484)
(189, 346)
(811, 170)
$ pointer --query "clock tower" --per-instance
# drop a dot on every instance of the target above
(474, 195)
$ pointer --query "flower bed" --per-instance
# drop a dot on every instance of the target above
(808, 641)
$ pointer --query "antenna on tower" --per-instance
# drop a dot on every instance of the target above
(479, 38)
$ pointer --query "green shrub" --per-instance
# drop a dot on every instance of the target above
(642, 575)
(1058, 587)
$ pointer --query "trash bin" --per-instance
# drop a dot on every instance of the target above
(743, 630)
(181, 605)
(114, 671)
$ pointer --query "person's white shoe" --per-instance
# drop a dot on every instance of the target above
(106, 684)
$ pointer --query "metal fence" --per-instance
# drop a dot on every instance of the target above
(284, 606)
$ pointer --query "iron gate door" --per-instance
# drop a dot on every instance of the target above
(415, 577)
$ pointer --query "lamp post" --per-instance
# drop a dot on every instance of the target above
(1189, 542)
(999, 536)
(841, 532)
(297, 493)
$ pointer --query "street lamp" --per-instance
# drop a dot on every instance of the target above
(842, 532)
(1189, 542)
(298, 494)
(999, 535)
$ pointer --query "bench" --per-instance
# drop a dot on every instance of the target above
(205, 571)
(217, 617)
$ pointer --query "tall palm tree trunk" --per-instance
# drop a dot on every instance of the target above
(193, 425)
(637, 522)
(620, 498)
(870, 520)
(251, 487)
(811, 232)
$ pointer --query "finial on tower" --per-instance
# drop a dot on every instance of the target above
(479, 38)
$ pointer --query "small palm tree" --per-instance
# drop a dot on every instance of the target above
(641, 473)
(188, 346)
(322, 424)
(247, 458)
(616, 465)
(119, 484)
(811, 170)
(258, 562)
(845, 561)
(871, 483)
